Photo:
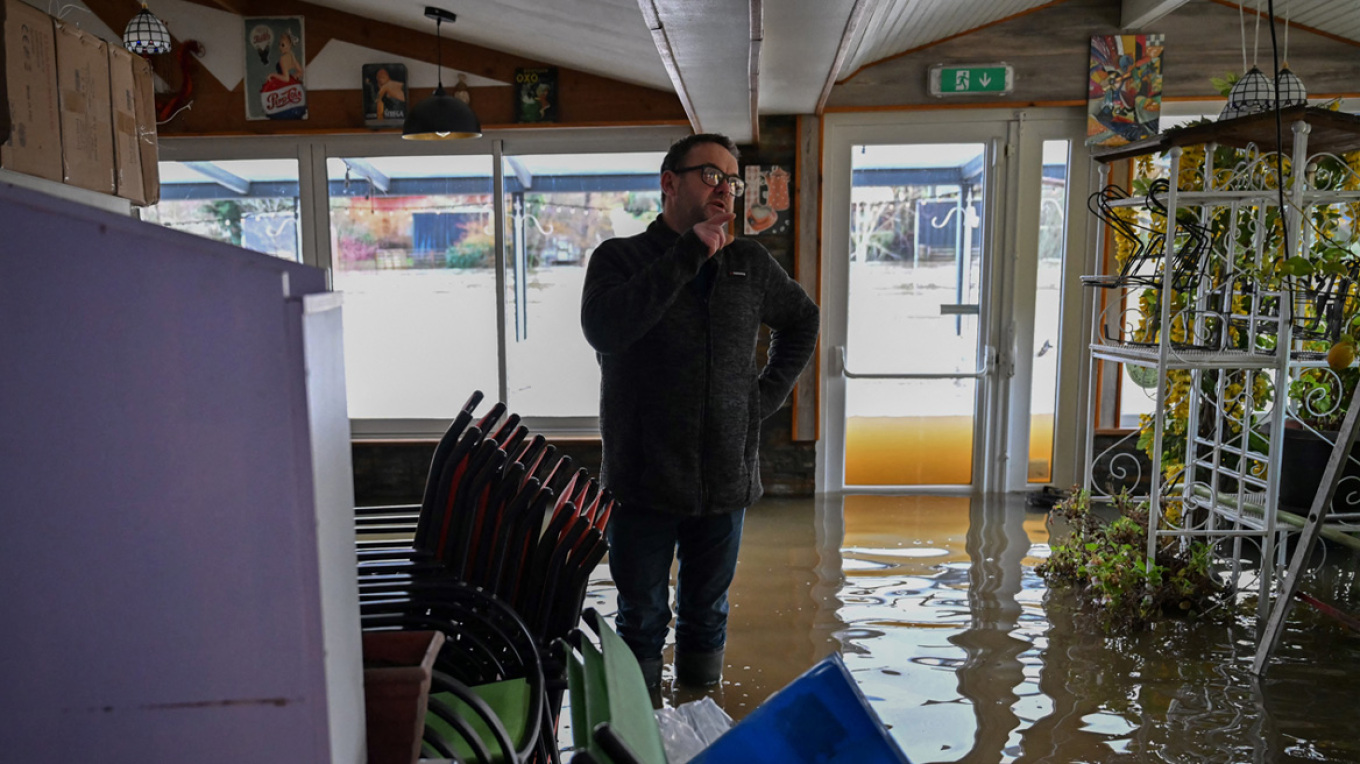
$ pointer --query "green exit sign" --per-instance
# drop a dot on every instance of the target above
(971, 79)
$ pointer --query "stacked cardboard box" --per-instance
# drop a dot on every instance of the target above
(33, 146)
(77, 110)
(146, 130)
(83, 97)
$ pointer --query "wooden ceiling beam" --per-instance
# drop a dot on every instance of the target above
(859, 12)
(652, 18)
(1135, 15)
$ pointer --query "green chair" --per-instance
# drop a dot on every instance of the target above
(611, 710)
(819, 718)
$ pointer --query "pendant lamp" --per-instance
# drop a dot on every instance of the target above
(1252, 94)
(145, 35)
(1289, 89)
(441, 116)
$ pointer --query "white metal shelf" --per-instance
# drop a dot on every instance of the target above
(1215, 454)
(1184, 359)
(1265, 197)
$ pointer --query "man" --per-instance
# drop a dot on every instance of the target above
(674, 314)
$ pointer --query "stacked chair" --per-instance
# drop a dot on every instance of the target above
(496, 556)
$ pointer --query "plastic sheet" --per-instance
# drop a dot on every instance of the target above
(690, 728)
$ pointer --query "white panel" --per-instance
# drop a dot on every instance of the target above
(603, 37)
(801, 40)
(333, 504)
(902, 25)
(1338, 17)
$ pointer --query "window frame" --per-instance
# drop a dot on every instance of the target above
(312, 153)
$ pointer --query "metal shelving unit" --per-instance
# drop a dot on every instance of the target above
(1225, 346)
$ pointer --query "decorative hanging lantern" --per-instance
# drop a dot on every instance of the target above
(1252, 94)
(1289, 89)
(145, 35)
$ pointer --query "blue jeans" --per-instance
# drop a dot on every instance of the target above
(641, 546)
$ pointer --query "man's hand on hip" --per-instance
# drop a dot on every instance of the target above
(714, 233)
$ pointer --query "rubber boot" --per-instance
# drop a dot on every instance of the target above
(698, 669)
(651, 672)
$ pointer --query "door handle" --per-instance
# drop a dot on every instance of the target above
(988, 363)
(961, 310)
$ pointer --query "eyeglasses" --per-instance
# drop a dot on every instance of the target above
(712, 176)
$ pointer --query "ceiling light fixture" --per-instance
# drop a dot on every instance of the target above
(145, 35)
(441, 116)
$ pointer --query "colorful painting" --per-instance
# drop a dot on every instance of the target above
(767, 200)
(1124, 92)
(275, 72)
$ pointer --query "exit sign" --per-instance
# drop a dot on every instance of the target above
(971, 79)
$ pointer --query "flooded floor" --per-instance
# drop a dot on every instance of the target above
(964, 653)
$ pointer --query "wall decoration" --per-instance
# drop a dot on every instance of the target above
(1124, 90)
(275, 68)
(768, 204)
(384, 95)
(536, 94)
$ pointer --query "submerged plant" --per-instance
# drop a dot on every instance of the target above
(1106, 564)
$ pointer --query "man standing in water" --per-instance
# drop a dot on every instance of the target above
(674, 314)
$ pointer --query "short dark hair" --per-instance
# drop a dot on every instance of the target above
(681, 148)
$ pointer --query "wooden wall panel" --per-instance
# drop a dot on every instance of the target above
(1050, 50)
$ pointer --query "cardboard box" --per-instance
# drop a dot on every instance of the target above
(28, 54)
(146, 129)
(86, 121)
(127, 143)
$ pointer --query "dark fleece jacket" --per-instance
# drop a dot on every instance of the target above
(681, 399)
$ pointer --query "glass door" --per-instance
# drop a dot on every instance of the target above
(910, 236)
(939, 297)
(915, 356)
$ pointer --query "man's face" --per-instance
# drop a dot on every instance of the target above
(688, 200)
(382, 77)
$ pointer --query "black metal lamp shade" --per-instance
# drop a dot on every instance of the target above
(441, 117)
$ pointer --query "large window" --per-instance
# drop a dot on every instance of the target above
(449, 286)
(413, 250)
(251, 203)
(558, 209)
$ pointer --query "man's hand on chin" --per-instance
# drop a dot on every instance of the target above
(713, 231)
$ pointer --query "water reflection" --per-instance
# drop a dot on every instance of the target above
(965, 654)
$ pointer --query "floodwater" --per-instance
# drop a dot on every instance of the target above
(966, 655)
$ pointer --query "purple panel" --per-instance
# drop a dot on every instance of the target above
(159, 555)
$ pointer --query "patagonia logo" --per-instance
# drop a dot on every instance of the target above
(741, 274)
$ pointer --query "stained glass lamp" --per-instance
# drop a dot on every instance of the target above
(1252, 94)
(1289, 89)
(145, 35)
